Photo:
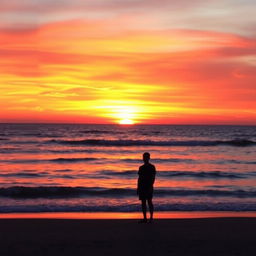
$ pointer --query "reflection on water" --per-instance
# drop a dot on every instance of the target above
(199, 167)
(124, 215)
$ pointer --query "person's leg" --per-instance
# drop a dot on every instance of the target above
(144, 208)
(151, 208)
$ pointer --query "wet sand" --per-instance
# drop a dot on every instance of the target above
(208, 236)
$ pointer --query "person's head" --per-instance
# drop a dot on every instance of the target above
(146, 157)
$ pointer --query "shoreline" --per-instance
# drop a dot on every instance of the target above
(128, 215)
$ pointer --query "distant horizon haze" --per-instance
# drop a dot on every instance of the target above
(134, 124)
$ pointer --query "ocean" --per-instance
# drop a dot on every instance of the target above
(94, 168)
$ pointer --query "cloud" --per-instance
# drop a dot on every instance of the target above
(115, 59)
(48, 5)
(158, 14)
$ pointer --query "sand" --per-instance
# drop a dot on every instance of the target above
(75, 237)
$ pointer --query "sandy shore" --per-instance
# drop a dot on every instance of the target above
(210, 236)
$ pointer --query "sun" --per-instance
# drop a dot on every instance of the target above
(125, 115)
(126, 121)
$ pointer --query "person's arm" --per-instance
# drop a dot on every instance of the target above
(153, 175)
(138, 181)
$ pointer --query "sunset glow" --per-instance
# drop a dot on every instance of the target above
(128, 62)
(126, 121)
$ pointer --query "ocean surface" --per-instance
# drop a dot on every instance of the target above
(94, 168)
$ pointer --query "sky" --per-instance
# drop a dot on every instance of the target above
(128, 61)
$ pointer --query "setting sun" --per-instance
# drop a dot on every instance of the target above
(126, 114)
(126, 121)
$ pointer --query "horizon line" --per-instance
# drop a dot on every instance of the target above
(130, 125)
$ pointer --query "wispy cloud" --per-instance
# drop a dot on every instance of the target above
(162, 61)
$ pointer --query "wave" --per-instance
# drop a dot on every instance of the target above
(98, 132)
(54, 151)
(129, 174)
(121, 173)
(21, 142)
(63, 160)
(24, 174)
(63, 170)
(83, 159)
(34, 192)
(38, 135)
(32, 134)
(202, 174)
(60, 151)
(73, 192)
(184, 174)
(160, 160)
(8, 150)
(234, 161)
(86, 159)
(58, 160)
(100, 142)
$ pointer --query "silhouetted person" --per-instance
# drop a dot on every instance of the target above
(145, 188)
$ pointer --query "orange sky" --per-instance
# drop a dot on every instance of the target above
(145, 61)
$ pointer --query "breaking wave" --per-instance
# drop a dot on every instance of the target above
(55, 192)
(190, 174)
(99, 142)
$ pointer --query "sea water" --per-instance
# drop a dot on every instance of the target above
(94, 168)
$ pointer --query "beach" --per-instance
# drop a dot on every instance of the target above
(71, 190)
(202, 236)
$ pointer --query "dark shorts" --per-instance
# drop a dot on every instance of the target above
(145, 193)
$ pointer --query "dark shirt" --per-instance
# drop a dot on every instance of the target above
(147, 174)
